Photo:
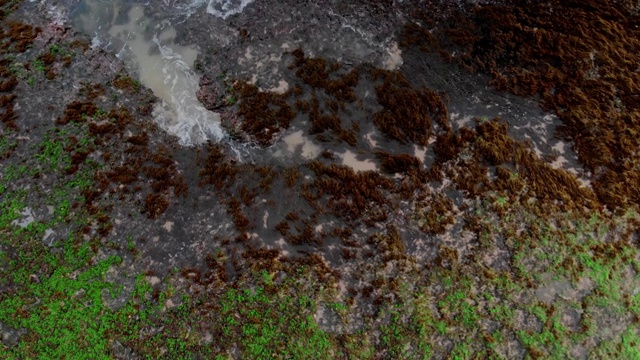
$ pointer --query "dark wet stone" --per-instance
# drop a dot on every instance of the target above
(122, 352)
(211, 94)
(11, 336)
(354, 33)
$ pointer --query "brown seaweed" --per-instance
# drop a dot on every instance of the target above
(264, 114)
(580, 60)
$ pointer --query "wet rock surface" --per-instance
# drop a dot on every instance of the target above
(252, 43)
(212, 94)
(448, 233)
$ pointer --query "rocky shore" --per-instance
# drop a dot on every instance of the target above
(415, 179)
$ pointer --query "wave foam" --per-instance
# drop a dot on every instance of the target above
(180, 113)
(220, 8)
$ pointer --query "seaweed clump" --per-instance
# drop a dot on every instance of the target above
(265, 114)
(398, 164)
(133, 170)
(389, 244)
(320, 74)
(217, 171)
(126, 83)
(351, 195)
(156, 171)
(239, 219)
(322, 122)
(580, 60)
(48, 59)
(7, 99)
(19, 35)
(77, 111)
(331, 91)
(489, 150)
(155, 204)
(433, 213)
(407, 112)
(14, 37)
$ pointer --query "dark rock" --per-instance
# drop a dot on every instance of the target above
(11, 336)
(211, 93)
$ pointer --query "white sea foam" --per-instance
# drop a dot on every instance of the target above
(220, 8)
(162, 65)
(186, 117)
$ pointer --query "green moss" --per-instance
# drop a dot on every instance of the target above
(52, 153)
(627, 346)
(540, 343)
(10, 207)
(6, 143)
(539, 312)
(461, 351)
(63, 314)
(269, 326)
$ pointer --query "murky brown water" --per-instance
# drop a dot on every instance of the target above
(149, 50)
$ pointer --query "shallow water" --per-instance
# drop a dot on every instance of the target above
(297, 142)
(357, 163)
(148, 48)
